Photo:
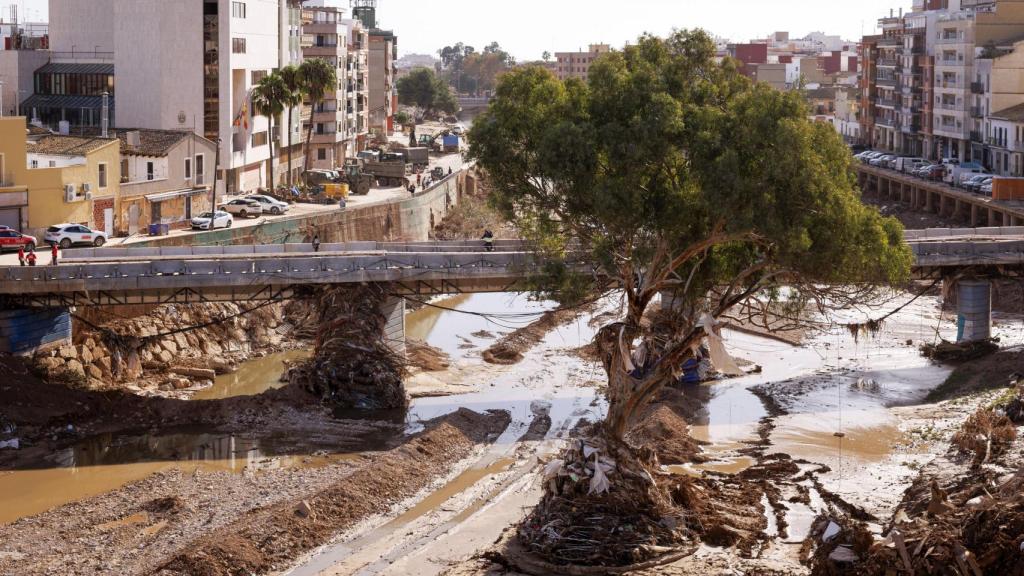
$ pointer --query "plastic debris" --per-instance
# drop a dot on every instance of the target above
(716, 347)
(831, 532)
(599, 483)
(13, 444)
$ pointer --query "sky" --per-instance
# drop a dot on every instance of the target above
(527, 28)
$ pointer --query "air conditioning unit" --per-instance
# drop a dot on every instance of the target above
(88, 195)
(69, 193)
(87, 190)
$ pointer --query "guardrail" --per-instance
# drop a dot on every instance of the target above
(942, 233)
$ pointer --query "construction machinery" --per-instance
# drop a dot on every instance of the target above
(359, 182)
(389, 173)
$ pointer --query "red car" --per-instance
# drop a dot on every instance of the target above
(12, 240)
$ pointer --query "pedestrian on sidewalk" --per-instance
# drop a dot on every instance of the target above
(53, 254)
(316, 243)
(31, 258)
(419, 179)
(21, 255)
(488, 240)
(449, 170)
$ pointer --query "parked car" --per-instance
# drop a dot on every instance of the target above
(459, 129)
(907, 164)
(212, 220)
(271, 205)
(934, 172)
(882, 161)
(12, 240)
(68, 235)
(243, 207)
(986, 189)
(869, 156)
(976, 183)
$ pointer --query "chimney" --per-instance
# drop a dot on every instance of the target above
(105, 117)
(132, 139)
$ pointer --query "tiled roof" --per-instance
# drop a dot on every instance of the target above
(151, 142)
(67, 145)
(1013, 113)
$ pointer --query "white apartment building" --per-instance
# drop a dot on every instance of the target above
(188, 64)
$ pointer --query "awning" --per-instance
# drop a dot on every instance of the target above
(75, 68)
(160, 197)
(65, 101)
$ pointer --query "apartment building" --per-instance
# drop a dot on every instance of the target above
(941, 59)
(326, 37)
(196, 74)
(577, 64)
(383, 97)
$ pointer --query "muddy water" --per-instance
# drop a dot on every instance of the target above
(107, 462)
(253, 377)
(461, 333)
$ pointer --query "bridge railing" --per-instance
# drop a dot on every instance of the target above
(215, 273)
(112, 253)
(940, 233)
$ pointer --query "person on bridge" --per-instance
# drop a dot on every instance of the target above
(316, 243)
(488, 240)
(419, 179)
(21, 255)
(31, 257)
(449, 170)
(53, 254)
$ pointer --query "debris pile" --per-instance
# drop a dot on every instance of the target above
(946, 351)
(352, 366)
(602, 508)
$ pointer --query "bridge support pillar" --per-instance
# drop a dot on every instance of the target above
(26, 331)
(927, 201)
(393, 309)
(957, 209)
(942, 205)
(974, 311)
(991, 217)
(974, 215)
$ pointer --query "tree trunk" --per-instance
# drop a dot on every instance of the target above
(290, 108)
(309, 139)
(270, 163)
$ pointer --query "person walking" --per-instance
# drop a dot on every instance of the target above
(488, 240)
(53, 254)
(31, 257)
(419, 179)
(316, 243)
(21, 255)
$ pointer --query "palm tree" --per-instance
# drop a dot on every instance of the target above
(269, 98)
(293, 81)
(317, 77)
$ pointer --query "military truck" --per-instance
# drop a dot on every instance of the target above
(389, 173)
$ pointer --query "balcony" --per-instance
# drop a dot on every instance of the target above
(887, 62)
(890, 41)
(950, 63)
(912, 127)
(891, 82)
(946, 39)
(949, 84)
(976, 136)
(885, 122)
(977, 112)
(978, 88)
(885, 102)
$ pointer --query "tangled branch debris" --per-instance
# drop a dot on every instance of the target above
(602, 508)
(946, 351)
(352, 366)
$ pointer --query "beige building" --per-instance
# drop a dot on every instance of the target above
(166, 178)
(383, 98)
(577, 64)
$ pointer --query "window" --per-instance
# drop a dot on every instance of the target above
(35, 163)
(149, 170)
(257, 76)
(53, 163)
(238, 9)
(124, 170)
(259, 139)
(321, 153)
(238, 45)
(102, 175)
(188, 168)
(200, 169)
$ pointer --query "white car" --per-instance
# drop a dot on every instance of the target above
(212, 221)
(275, 207)
(68, 235)
(243, 207)
(459, 129)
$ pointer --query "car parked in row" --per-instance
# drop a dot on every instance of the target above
(12, 240)
(270, 205)
(212, 220)
(243, 207)
(68, 235)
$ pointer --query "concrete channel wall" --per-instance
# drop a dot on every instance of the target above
(407, 220)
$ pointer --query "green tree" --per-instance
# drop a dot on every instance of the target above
(293, 82)
(546, 56)
(423, 89)
(269, 99)
(317, 76)
(676, 175)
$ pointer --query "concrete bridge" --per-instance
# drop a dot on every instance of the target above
(36, 299)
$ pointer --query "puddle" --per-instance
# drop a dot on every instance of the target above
(800, 517)
(253, 377)
(728, 466)
(106, 463)
(866, 435)
(454, 332)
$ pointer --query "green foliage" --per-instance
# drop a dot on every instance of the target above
(316, 76)
(471, 71)
(402, 117)
(678, 170)
(422, 88)
(270, 96)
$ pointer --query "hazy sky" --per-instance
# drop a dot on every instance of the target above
(526, 28)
